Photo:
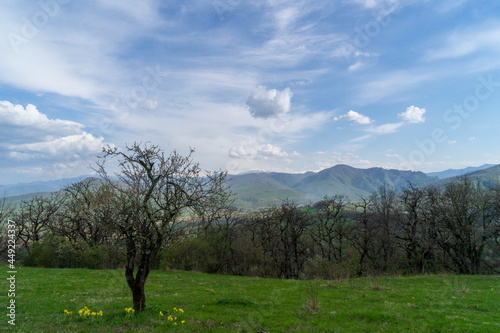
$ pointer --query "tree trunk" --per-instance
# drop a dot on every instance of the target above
(138, 297)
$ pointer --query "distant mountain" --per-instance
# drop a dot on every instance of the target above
(354, 183)
(489, 177)
(264, 189)
(458, 172)
(36, 187)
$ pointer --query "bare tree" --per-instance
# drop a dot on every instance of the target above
(35, 216)
(363, 237)
(88, 212)
(156, 191)
(411, 227)
(6, 211)
(330, 228)
(466, 221)
(386, 215)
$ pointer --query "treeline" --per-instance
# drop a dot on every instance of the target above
(454, 228)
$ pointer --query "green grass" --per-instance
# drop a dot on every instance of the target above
(215, 303)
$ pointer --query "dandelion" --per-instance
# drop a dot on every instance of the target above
(161, 313)
(99, 313)
(181, 311)
(183, 321)
(130, 311)
(67, 312)
(93, 314)
(170, 318)
(175, 309)
(84, 312)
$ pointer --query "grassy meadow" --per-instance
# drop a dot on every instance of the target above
(216, 303)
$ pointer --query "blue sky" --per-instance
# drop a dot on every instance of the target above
(252, 85)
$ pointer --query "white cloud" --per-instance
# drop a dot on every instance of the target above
(388, 5)
(357, 65)
(18, 116)
(452, 142)
(329, 159)
(466, 41)
(80, 145)
(263, 151)
(286, 17)
(413, 115)
(391, 84)
(30, 140)
(265, 103)
(386, 128)
(354, 117)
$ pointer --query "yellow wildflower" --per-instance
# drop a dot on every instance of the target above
(181, 311)
(161, 313)
(182, 322)
(93, 313)
(170, 318)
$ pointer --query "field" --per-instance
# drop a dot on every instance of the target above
(215, 303)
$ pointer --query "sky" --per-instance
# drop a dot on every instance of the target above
(271, 85)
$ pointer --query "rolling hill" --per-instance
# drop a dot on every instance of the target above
(264, 189)
(489, 177)
(458, 172)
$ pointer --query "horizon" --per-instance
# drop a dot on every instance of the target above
(281, 86)
(262, 171)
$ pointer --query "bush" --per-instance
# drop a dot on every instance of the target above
(58, 252)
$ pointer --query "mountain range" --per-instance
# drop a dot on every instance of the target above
(261, 189)
(266, 189)
(458, 172)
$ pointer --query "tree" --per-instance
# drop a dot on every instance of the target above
(467, 221)
(35, 216)
(88, 212)
(331, 228)
(363, 237)
(411, 226)
(156, 192)
(5, 212)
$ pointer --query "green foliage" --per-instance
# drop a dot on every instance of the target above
(59, 252)
(216, 303)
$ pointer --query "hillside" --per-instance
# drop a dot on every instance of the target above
(221, 303)
(263, 189)
(458, 172)
(256, 190)
(354, 183)
(36, 187)
(489, 177)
